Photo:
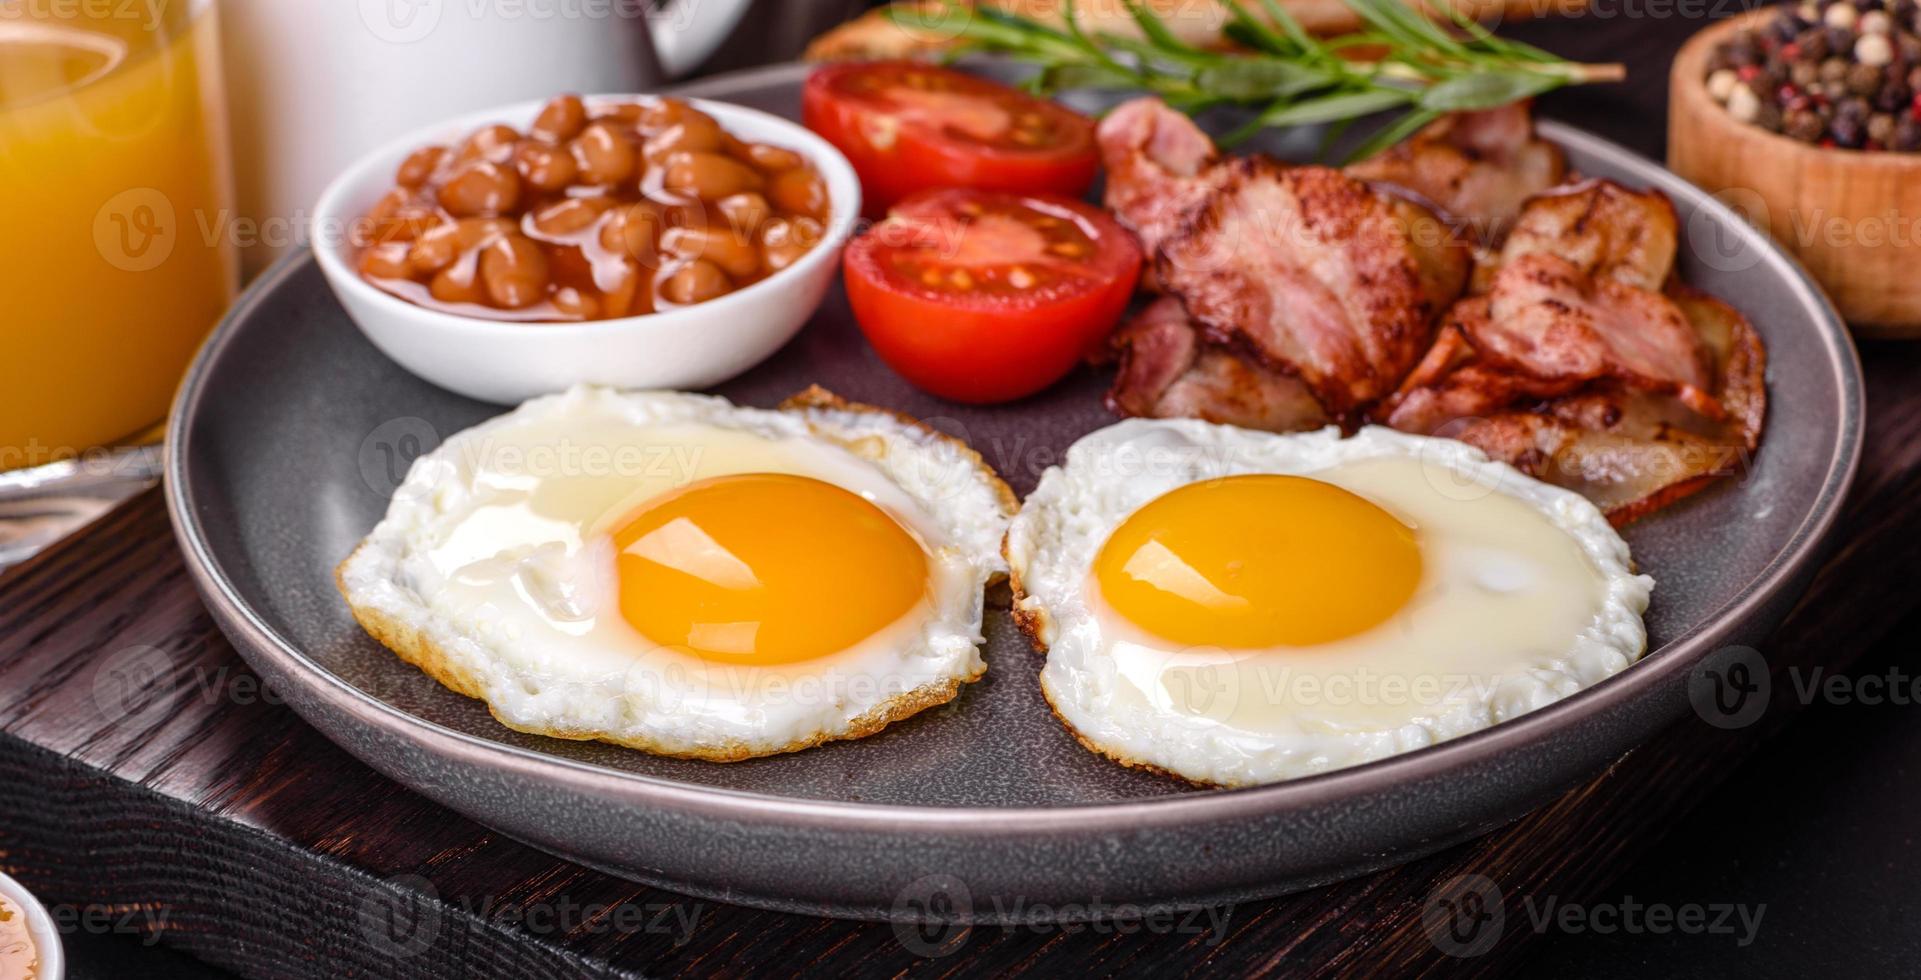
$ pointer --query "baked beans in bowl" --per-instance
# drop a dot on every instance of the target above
(636, 241)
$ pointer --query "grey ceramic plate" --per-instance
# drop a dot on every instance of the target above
(291, 430)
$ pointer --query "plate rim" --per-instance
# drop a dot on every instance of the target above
(1654, 669)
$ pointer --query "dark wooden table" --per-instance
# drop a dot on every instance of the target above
(182, 804)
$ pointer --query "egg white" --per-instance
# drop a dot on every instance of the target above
(518, 605)
(1234, 718)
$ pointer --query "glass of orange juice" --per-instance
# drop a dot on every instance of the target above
(114, 185)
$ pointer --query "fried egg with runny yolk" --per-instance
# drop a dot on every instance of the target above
(1238, 607)
(684, 576)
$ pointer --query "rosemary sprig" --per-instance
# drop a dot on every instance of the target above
(1399, 59)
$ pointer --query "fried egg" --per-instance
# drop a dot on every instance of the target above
(1236, 607)
(681, 575)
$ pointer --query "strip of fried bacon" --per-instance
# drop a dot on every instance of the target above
(1167, 370)
(1296, 296)
(1474, 169)
(1575, 370)
(1311, 271)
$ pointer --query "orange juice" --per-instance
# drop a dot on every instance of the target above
(113, 188)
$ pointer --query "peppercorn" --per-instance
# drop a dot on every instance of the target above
(1907, 134)
(1768, 117)
(1813, 45)
(1834, 70)
(1804, 125)
(1742, 50)
(1881, 128)
(1840, 39)
(1874, 49)
(1804, 74)
(1891, 98)
(1864, 80)
(1847, 131)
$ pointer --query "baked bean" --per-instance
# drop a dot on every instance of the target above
(625, 113)
(480, 188)
(419, 166)
(655, 115)
(574, 303)
(773, 157)
(569, 217)
(386, 261)
(735, 255)
(494, 144)
(514, 270)
(698, 133)
(458, 283)
(620, 290)
(799, 191)
(694, 282)
(710, 176)
(560, 120)
(634, 231)
(605, 156)
(746, 211)
(597, 211)
(783, 244)
(544, 166)
(442, 244)
(399, 217)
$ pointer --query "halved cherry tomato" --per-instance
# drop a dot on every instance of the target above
(981, 296)
(910, 127)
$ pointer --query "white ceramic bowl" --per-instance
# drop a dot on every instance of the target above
(690, 347)
(40, 925)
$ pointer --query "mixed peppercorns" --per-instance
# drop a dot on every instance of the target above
(1841, 73)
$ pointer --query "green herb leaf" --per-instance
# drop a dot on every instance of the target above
(1319, 109)
(1400, 59)
(1391, 134)
(1260, 78)
(1465, 93)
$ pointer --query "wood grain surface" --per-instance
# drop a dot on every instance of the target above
(148, 784)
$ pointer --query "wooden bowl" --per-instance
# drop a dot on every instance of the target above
(1852, 217)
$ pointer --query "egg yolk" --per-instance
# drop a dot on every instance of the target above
(1258, 561)
(765, 568)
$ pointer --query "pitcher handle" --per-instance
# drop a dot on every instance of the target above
(687, 32)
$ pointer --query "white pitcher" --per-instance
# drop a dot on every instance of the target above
(313, 84)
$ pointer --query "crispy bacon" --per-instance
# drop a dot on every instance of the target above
(1300, 295)
(1168, 370)
(1547, 320)
(1160, 168)
(1631, 451)
(1475, 168)
(1316, 274)
(1603, 229)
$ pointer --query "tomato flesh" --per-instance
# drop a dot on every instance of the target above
(909, 127)
(982, 296)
